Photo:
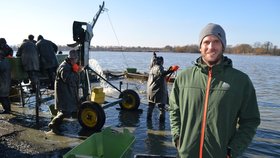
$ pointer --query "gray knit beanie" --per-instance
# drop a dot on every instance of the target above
(213, 29)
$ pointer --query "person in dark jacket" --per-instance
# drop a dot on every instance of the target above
(31, 38)
(5, 48)
(66, 89)
(47, 58)
(5, 83)
(30, 61)
(213, 106)
(157, 87)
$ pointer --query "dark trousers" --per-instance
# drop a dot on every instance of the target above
(33, 76)
(150, 110)
(51, 75)
(5, 101)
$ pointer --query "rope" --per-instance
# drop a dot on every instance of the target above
(125, 61)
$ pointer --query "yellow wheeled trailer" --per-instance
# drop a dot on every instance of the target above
(91, 114)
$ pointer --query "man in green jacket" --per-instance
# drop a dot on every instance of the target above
(213, 106)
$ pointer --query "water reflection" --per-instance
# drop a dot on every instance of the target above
(129, 118)
(160, 124)
(156, 138)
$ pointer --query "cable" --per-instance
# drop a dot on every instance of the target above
(116, 37)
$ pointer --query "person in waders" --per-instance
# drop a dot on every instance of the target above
(212, 106)
(66, 90)
(47, 57)
(157, 93)
(30, 62)
(5, 83)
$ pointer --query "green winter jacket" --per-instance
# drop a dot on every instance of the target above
(232, 114)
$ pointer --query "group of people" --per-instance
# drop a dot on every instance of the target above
(40, 57)
(36, 57)
(213, 108)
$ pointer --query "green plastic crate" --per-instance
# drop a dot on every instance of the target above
(131, 70)
(17, 69)
(18, 72)
(106, 144)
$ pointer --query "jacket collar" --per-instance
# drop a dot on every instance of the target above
(226, 62)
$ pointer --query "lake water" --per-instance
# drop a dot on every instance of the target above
(155, 138)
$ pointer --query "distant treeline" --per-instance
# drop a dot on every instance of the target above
(266, 48)
(258, 48)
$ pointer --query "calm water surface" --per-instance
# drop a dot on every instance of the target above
(155, 138)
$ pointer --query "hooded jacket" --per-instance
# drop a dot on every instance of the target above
(156, 84)
(213, 110)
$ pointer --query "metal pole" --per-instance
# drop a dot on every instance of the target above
(87, 67)
(38, 102)
(107, 105)
(21, 95)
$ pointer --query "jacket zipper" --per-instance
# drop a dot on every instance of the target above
(204, 116)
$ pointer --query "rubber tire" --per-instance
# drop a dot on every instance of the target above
(131, 100)
(91, 116)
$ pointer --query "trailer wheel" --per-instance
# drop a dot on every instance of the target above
(91, 116)
(131, 100)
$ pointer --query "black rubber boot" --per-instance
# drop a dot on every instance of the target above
(6, 105)
(162, 116)
(4, 112)
(150, 110)
(56, 121)
(162, 112)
